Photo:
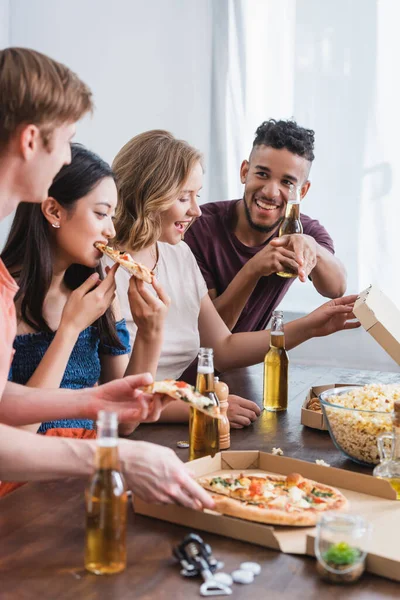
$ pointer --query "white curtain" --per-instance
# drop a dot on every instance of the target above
(228, 85)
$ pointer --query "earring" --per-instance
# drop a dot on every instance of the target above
(56, 225)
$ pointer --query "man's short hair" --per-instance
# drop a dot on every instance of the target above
(34, 89)
(286, 134)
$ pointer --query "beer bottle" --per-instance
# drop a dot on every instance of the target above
(203, 429)
(106, 503)
(276, 365)
(291, 223)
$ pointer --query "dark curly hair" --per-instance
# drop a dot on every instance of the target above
(286, 134)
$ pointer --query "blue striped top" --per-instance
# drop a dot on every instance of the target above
(83, 368)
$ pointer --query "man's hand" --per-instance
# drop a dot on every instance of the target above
(242, 412)
(305, 250)
(123, 397)
(273, 259)
(332, 316)
(157, 475)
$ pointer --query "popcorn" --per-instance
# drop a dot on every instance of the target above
(357, 417)
(376, 397)
(277, 451)
(322, 463)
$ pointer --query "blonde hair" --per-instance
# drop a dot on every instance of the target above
(35, 89)
(150, 171)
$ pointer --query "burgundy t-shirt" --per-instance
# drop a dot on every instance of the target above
(221, 255)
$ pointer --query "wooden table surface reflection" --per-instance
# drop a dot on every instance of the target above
(42, 525)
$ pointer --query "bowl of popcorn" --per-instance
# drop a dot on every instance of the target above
(357, 415)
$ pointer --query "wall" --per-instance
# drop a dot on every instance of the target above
(331, 65)
(147, 63)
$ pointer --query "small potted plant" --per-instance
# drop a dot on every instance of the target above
(340, 558)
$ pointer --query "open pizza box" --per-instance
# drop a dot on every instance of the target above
(315, 419)
(374, 498)
(381, 318)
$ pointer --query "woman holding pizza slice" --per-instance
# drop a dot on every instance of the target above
(159, 179)
(70, 331)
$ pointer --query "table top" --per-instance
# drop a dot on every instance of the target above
(42, 524)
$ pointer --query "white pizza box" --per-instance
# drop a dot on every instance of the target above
(381, 318)
(367, 495)
(312, 418)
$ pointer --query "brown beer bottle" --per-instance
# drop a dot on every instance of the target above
(291, 223)
(203, 429)
(106, 503)
(276, 365)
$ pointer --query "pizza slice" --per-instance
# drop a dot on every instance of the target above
(180, 390)
(126, 261)
(274, 499)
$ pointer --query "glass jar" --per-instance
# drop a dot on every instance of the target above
(340, 547)
(389, 453)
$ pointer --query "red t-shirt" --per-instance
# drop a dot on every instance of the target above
(221, 255)
(8, 321)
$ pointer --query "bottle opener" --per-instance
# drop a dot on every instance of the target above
(196, 558)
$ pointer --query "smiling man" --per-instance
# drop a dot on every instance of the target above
(236, 242)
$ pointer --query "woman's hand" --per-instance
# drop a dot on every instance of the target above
(332, 316)
(148, 311)
(89, 301)
(242, 412)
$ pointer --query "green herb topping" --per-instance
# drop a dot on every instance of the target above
(221, 481)
(320, 494)
(342, 554)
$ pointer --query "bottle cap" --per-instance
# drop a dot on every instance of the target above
(241, 576)
(253, 567)
(182, 444)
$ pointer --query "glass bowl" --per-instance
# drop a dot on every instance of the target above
(354, 431)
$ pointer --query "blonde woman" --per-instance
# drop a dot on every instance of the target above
(159, 179)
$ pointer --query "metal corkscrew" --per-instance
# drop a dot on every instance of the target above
(196, 558)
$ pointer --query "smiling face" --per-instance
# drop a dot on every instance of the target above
(87, 222)
(178, 217)
(267, 177)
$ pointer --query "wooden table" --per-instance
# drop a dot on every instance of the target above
(42, 525)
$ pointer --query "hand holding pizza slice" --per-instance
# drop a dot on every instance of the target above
(179, 390)
(126, 261)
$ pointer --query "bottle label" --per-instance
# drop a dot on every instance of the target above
(107, 442)
(205, 369)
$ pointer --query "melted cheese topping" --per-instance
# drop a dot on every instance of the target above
(257, 490)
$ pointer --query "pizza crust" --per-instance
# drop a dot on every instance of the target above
(185, 394)
(252, 512)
